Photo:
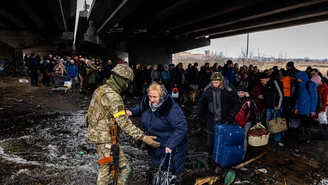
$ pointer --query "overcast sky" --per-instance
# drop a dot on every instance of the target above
(310, 40)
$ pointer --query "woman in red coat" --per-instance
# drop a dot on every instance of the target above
(257, 93)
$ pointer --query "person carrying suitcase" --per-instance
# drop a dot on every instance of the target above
(219, 103)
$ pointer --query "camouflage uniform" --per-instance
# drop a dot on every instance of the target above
(98, 131)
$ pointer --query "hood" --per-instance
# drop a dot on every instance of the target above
(225, 81)
(302, 75)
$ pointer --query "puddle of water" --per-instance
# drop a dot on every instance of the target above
(47, 153)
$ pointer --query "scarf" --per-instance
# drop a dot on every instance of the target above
(161, 101)
(117, 83)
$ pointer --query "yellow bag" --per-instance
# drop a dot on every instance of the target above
(277, 125)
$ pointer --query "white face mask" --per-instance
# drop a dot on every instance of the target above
(41, 62)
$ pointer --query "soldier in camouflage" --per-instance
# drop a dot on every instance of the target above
(107, 103)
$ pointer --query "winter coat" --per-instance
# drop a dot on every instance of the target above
(33, 64)
(156, 76)
(229, 105)
(72, 70)
(230, 74)
(166, 76)
(257, 90)
(306, 95)
(322, 97)
(91, 75)
(273, 93)
(178, 76)
(170, 126)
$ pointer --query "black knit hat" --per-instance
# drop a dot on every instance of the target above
(263, 75)
(242, 88)
(290, 64)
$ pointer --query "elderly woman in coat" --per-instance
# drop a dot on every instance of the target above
(163, 118)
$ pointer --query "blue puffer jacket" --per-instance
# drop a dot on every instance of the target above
(306, 100)
(72, 70)
(170, 126)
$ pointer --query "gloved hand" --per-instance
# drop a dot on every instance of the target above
(231, 119)
(150, 140)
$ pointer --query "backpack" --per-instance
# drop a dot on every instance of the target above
(241, 118)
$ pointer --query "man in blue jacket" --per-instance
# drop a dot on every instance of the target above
(306, 98)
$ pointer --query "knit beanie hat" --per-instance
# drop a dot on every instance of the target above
(242, 88)
(216, 76)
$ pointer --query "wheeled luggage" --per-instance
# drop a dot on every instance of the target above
(229, 144)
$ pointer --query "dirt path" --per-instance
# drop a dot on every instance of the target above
(22, 97)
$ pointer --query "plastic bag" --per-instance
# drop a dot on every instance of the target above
(322, 117)
(68, 84)
(294, 123)
(161, 176)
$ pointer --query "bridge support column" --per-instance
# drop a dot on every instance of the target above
(18, 54)
(148, 50)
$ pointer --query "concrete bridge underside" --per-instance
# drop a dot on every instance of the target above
(151, 31)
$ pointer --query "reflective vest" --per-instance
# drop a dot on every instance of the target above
(285, 80)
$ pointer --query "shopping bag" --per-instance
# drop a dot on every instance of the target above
(322, 117)
(158, 175)
(294, 123)
(258, 135)
(277, 125)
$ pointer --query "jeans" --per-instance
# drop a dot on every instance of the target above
(247, 126)
(271, 114)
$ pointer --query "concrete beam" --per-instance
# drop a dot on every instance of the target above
(31, 13)
(137, 22)
(12, 18)
(146, 50)
(184, 44)
(276, 19)
(204, 12)
(259, 10)
(82, 27)
(271, 27)
(101, 8)
(123, 10)
(56, 10)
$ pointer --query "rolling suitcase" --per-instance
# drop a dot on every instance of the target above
(229, 144)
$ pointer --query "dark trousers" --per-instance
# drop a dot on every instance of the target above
(306, 120)
(210, 143)
(46, 79)
(34, 77)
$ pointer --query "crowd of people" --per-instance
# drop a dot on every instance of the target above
(285, 92)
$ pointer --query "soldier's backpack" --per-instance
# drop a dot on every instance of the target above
(243, 114)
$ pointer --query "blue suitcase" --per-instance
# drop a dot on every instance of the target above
(229, 144)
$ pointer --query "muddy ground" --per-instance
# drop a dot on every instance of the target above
(43, 141)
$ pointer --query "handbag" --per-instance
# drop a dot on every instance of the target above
(277, 125)
(160, 176)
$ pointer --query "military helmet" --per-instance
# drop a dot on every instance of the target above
(124, 71)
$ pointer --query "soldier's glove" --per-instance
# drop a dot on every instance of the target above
(150, 140)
